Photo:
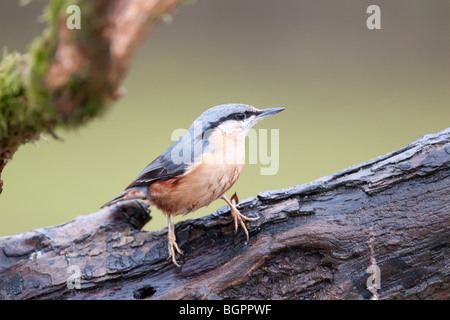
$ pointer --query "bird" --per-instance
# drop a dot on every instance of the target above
(199, 167)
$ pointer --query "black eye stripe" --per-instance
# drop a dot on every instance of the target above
(232, 116)
(241, 115)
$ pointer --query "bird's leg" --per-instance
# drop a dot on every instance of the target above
(238, 217)
(172, 241)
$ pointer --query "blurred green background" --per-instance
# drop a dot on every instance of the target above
(351, 94)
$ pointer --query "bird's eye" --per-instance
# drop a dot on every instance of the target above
(239, 116)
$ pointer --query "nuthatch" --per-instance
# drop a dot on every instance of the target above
(199, 167)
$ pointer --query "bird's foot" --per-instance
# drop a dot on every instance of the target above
(172, 242)
(239, 218)
(173, 246)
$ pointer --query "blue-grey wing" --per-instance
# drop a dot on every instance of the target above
(159, 170)
(173, 162)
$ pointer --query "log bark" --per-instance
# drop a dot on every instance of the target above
(311, 241)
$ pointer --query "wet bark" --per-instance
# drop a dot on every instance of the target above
(389, 216)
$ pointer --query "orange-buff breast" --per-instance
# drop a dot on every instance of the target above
(206, 180)
(200, 186)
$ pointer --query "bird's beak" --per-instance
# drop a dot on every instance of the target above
(269, 112)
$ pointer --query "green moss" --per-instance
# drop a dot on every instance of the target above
(13, 104)
(82, 88)
(42, 53)
(26, 105)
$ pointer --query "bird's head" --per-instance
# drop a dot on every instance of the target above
(233, 118)
(216, 130)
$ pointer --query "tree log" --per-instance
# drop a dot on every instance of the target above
(311, 241)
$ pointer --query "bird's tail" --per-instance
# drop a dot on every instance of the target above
(129, 194)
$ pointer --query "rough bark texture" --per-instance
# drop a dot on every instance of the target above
(311, 241)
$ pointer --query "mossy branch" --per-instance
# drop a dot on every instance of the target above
(71, 76)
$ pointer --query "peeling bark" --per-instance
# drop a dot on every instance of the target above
(311, 241)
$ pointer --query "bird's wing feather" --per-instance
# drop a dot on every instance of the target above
(160, 169)
(173, 162)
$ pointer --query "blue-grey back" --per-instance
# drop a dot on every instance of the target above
(183, 152)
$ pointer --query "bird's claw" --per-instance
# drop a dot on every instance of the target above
(239, 217)
(173, 246)
(172, 242)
